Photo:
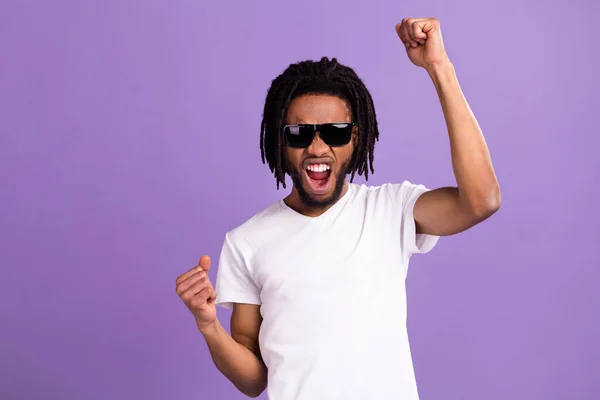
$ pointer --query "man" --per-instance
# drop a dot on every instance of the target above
(316, 280)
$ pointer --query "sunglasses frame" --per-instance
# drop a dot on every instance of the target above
(316, 128)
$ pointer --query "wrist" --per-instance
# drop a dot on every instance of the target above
(210, 329)
(438, 67)
(441, 73)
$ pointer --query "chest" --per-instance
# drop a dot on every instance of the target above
(357, 258)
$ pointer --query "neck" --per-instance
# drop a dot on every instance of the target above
(294, 201)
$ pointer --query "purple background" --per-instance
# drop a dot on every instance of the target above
(129, 146)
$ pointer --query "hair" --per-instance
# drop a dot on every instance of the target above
(326, 77)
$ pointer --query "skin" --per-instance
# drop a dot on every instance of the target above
(317, 109)
(237, 356)
(442, 211)
(450, 210)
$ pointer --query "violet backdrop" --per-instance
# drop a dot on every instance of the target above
(129, 145)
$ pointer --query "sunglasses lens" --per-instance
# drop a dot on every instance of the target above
(336, 134)
(299, 136)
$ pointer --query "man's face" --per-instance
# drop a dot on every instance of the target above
(318, 171)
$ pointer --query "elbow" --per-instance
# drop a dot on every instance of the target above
(487, 206)
(254, 392)
(484, 205)
(255, 389)
(495, 199)
(490, 209)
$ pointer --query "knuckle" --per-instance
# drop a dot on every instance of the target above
(198, 302)
(205, 291)
(187, 296)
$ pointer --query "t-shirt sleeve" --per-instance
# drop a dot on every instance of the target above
(234, 282)
(406, 195)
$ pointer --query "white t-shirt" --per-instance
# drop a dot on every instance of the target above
(332, 293)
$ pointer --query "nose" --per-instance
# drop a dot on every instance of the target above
(318, 146)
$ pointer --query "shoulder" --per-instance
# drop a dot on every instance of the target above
(390, 192)
(255, 226)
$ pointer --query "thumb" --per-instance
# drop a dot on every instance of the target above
(429, 25)
(204, 263)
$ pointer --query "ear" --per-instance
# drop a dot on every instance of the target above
(355, 136)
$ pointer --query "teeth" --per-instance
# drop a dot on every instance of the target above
(318, 167)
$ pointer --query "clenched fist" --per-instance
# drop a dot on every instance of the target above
(198, 294)
(422, 38)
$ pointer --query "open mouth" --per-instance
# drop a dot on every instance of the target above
(319, 177)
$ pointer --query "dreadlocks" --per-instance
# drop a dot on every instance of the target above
(323, 77)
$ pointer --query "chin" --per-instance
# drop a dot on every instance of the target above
(323, 189)
(320, 194)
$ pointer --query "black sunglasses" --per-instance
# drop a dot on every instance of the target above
(302, 135)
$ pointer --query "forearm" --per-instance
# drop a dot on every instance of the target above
(240, 365)
(478, 188)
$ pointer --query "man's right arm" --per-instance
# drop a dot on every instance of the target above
(237, 356)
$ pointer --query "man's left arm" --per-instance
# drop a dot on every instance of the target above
(450, 210)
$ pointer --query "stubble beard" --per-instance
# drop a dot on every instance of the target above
(315, 204)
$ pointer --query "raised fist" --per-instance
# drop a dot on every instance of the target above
(422, 38)
(198, 294)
